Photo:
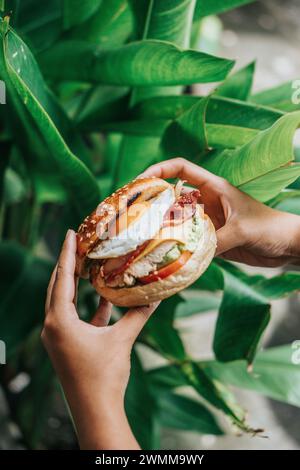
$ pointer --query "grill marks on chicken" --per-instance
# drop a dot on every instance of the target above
(142, 267)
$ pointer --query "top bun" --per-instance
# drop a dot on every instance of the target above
(96, 224)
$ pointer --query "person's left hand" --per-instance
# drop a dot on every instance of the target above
(92, 360)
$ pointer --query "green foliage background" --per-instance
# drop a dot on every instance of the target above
(96, 91)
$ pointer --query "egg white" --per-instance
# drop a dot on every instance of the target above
(143, 229)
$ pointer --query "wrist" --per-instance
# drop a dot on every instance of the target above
(289, 227)
(295, 239)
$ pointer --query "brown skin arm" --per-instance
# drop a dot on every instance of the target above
(92, 360)
(247, 230)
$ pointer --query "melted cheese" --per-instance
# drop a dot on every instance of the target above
(177, 233)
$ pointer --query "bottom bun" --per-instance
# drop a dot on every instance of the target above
(159, 290)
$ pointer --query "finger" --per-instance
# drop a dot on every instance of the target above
(76, 282)
(181, 168)
(227, 238)
(63, 291)
(49, 289)
(133, 321)
(103, 313)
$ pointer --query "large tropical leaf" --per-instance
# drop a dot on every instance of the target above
(140, 405)
(190, 373)
(187, 135)
(23, 88)
(213, 7)
(245, 310)
(169, 21)
(285, 97)
(111, 23)
(220, 110)
(197, 303)
(180, 412)
(274, 374)
(141, 63)
(161, 333)
(39, 22)
(77, 11)
(243, 316)
(159, 24)
(239, 84)
(268, 151)
(269, 185)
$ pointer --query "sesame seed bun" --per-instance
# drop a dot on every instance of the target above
(96, 224)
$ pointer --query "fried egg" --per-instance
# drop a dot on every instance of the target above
(144, 228)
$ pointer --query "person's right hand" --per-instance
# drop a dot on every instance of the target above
(247, 230)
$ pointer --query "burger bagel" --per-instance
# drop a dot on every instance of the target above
(145, 242)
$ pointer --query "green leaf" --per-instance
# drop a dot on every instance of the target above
(179, 412)
(187, 134)
(160, 23)
(197, 303)
(239, 84)
(161, 333)
(243, 317)
(285, 194)
(285, 97)
(111, 23)
(39, 22)
(279, 286)
(268, 151)
(269, 185)
(21, 274)
(48, 188)
(211, 279)
(213, 7)
(214, 393)
(220, 110)
(287, 201)
(24, 88)
(77, 11)
(171, 21)
(140, 406)
(274, 373)
(14, 187)
(141, 63)
(290, 205)
(164, 379)
(100, 105)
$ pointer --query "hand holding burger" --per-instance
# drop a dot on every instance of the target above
(247, 231)
(147, 241)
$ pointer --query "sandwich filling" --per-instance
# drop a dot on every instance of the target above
(149, 255)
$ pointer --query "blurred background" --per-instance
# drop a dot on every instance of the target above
(267, 32)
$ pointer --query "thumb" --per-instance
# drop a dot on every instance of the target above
(227, 238)
(133, 321)
(102, 314)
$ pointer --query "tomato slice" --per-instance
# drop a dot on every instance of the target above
(167, 270)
